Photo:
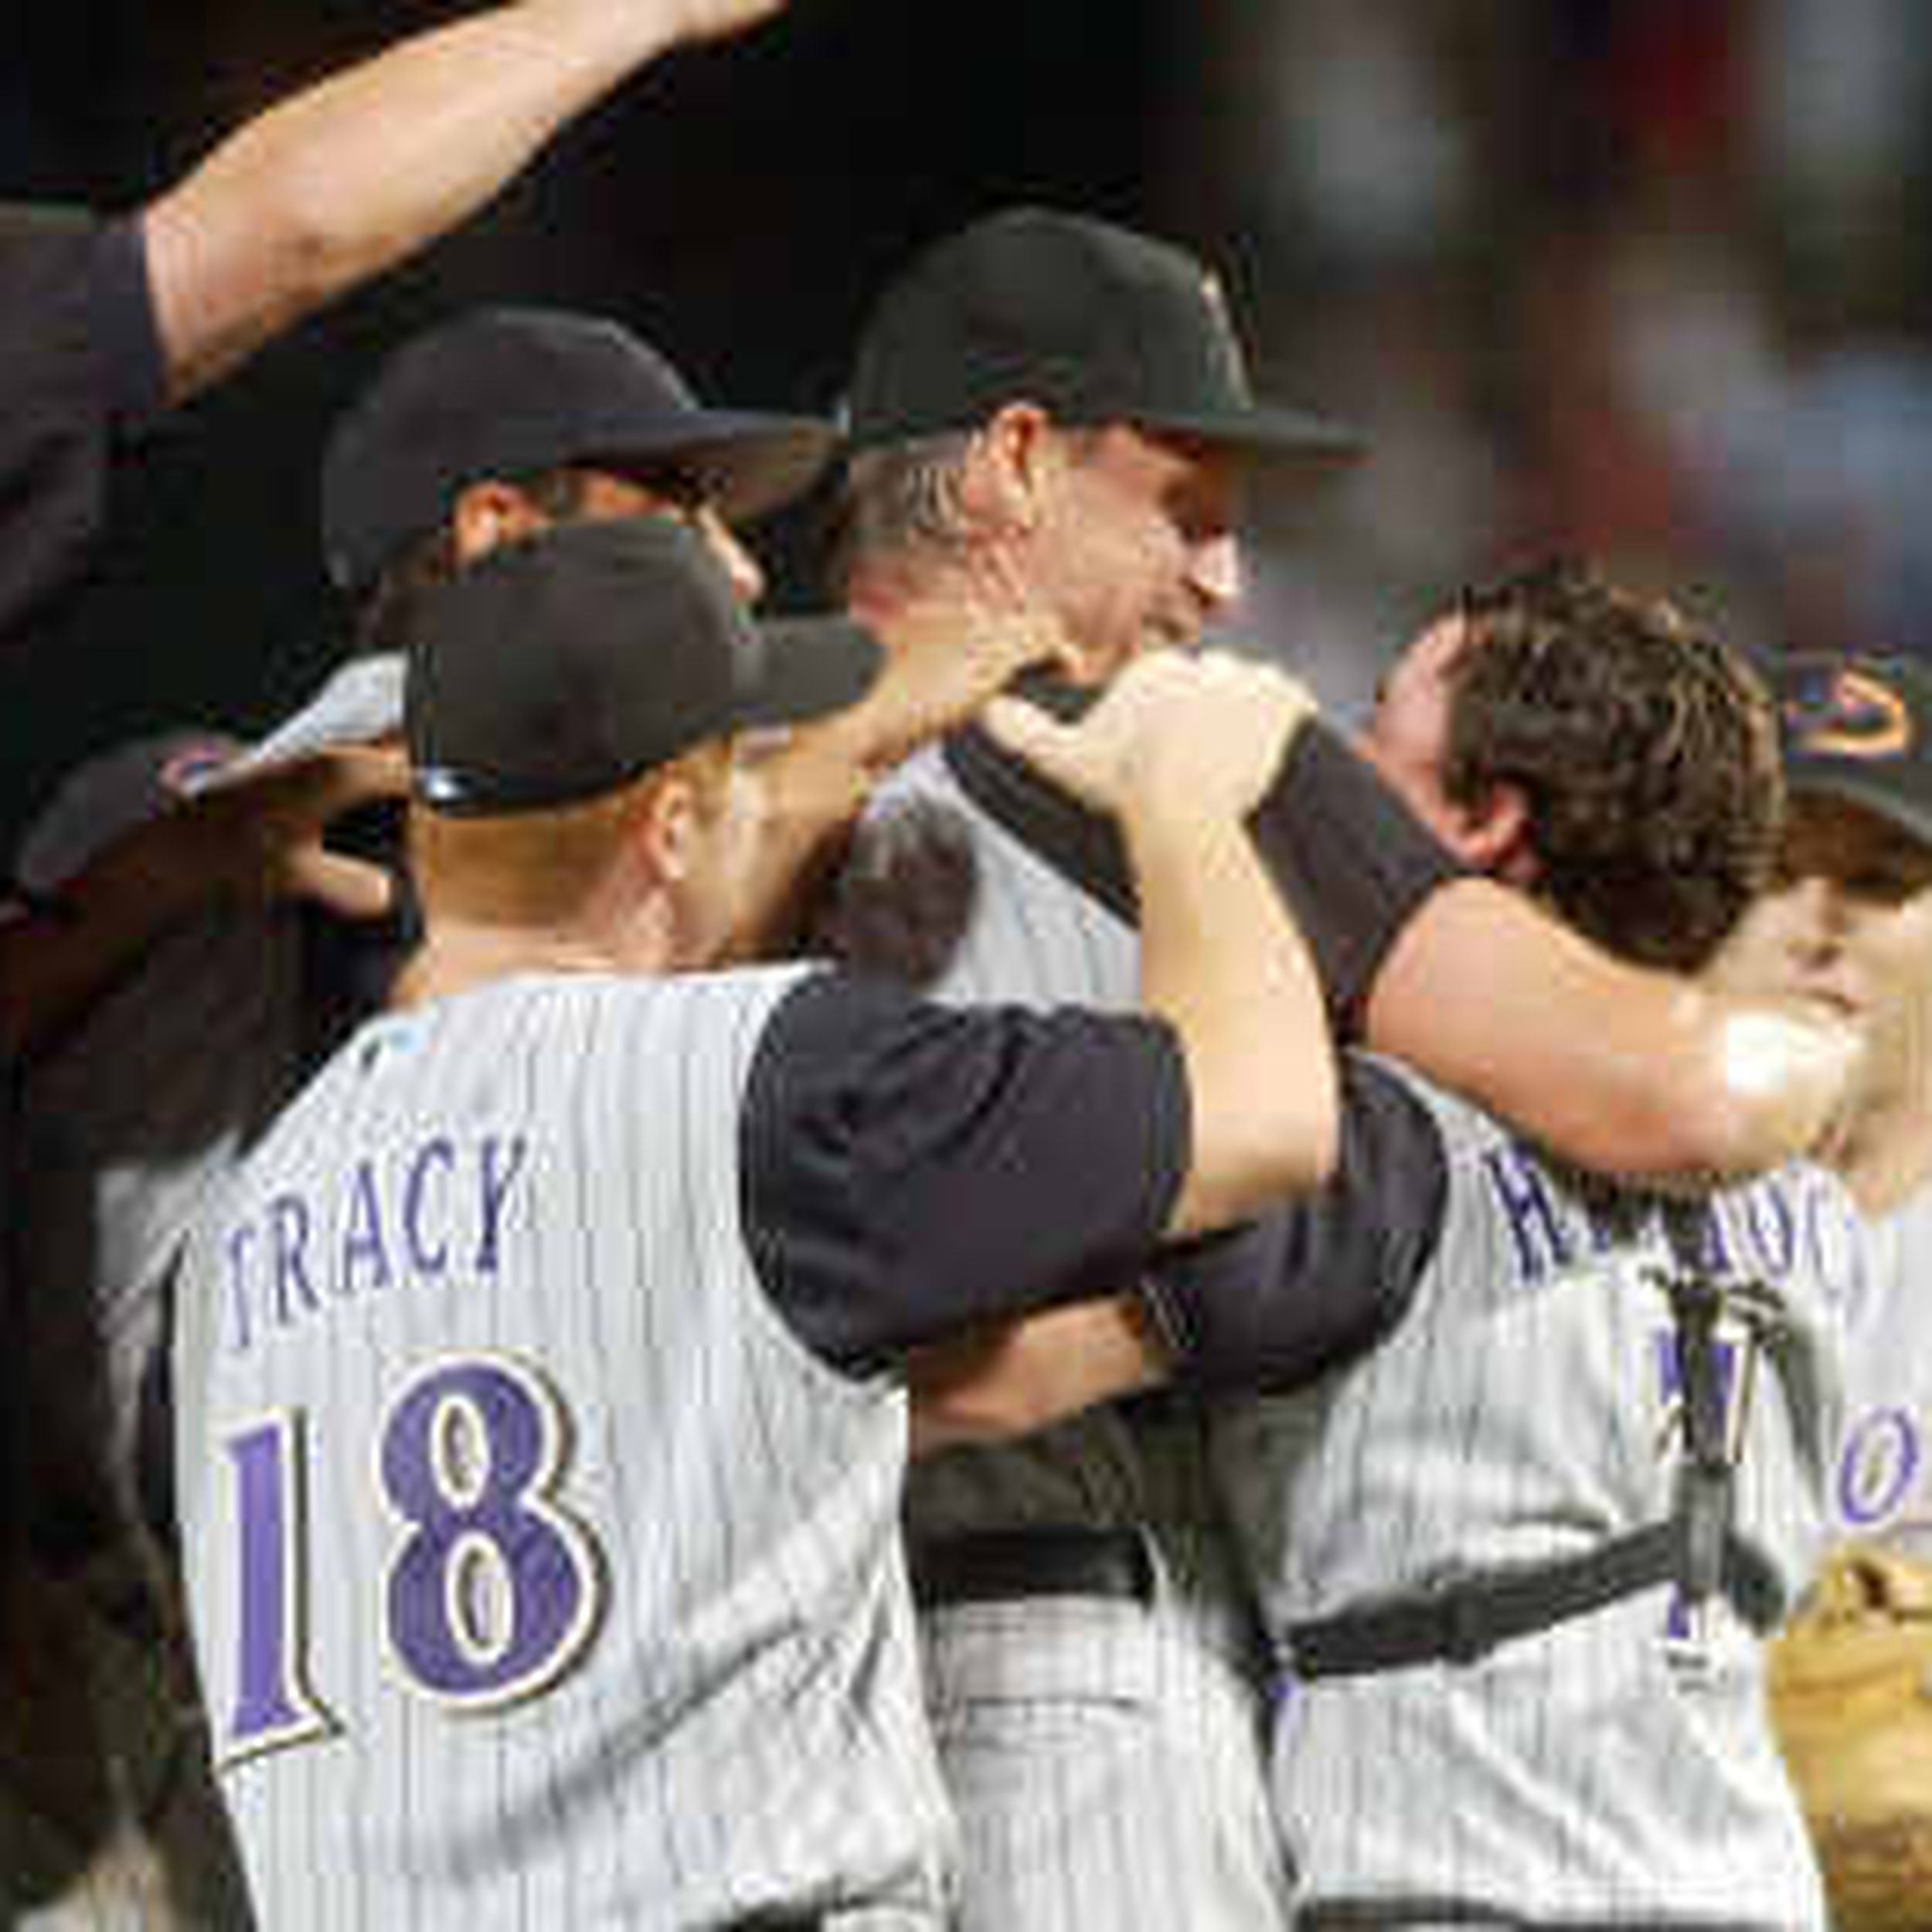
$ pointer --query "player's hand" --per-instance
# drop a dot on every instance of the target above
(1208, 732)
(262, 834)
(944, 662)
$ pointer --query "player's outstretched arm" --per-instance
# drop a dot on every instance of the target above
(346, 179)
(1180, 751)
(259, 839)
(1617, 1069)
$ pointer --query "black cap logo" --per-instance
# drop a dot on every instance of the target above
(1851, 714)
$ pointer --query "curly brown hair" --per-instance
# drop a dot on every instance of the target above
(1645, 749)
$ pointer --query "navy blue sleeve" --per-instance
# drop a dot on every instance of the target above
(80, 369)
(1274, 1304)
(910, 1169)
(127, 331)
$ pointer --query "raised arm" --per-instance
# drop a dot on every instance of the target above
(341, 181)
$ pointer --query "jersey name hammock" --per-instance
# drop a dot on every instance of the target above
(1616, 1768)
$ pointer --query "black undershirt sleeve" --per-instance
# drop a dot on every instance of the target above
(1349, 859)
(128, 331)
(910, 1169)
(80, 371)
(1272, 1305)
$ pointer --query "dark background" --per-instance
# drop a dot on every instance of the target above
(738, 204)
(1644, 278)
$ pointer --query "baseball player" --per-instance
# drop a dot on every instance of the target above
(481, 430)
(1049, 412)
(1519, 1559)
(1848, 922)
(557, 1316)
(98, 1771)
(1556, 1455)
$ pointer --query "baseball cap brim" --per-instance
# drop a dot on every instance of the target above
(1264, 433)
(1857, 784)
(360, 703)
(812, 668)
(751, 464)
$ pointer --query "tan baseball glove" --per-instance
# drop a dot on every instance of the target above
(1851, 1684)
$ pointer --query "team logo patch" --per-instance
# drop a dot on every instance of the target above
(1851, 714)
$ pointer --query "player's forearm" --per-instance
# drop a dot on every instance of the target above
(1617, 1069)
(1024, 1376)
(1222, 962)
(345, 179)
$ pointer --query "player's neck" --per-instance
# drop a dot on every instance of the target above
(459, 956)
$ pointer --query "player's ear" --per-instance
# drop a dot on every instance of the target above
(666, 826)
(1494, 835)
(1010, 464)
(489, 514)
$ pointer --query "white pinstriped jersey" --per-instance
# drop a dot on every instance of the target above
(1618, 1768)
(540, 1576)
(1171, 1833)
(1882, 1484)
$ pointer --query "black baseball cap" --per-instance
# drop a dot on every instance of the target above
(1096, 323)
(507, 392)
(1859, 729)
(563, 667)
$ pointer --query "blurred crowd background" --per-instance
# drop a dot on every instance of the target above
(1644, 278)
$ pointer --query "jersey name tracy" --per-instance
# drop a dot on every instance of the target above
(435, 1211)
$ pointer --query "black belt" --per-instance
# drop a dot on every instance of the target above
(994, 1565)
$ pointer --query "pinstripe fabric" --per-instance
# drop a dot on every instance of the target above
(603, 1616)
(1105, 1761)
(1618, 1769)
(1882, 1483)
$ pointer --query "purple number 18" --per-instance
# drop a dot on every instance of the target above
(491, 1591)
